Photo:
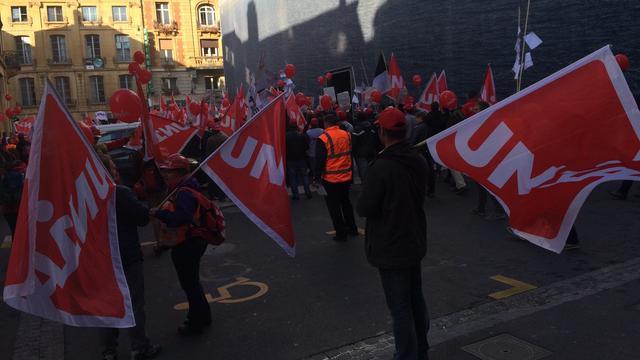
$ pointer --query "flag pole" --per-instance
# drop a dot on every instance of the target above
(518, 37)
(524, 45)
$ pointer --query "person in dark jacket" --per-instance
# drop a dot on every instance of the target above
(130, 213)
(297, 167)
(396, 232)
(178, 215)
(365, 143)
(313, 134)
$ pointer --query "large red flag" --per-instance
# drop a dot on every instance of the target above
(170, 137)
(24, 125)
(542, 150)
(65, 262)
(249, 168)
(395, 76)
(442, 82)
(488, 90)
(293, 110)
(429, 95)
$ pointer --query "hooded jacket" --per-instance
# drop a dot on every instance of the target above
(392, 201)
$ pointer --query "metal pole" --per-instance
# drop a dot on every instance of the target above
(524, 45)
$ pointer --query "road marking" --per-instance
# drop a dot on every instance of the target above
(517, 287)
(493, 313)
(6, 243)
(333, 232)
(226, 297)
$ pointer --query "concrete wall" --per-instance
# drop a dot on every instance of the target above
(461, 36)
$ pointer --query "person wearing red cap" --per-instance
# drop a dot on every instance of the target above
(297, 144)
(392, 200)
(178, 214)
(334, 168)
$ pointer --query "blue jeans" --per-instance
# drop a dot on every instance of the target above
(297, 169)
(403, 291)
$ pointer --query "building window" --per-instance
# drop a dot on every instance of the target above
(89, 13)
(93, 46)
(207, 15)
(162, 13)
(63, 87)
(96, 89)
(170, 86)
(210, 83)
(123, 48)
(23, 46)
(54, 14)
(28, 91)
(119, 13)
(166, 51)
(18, 13)
(58, 49)
(209, 47)
(126, 82)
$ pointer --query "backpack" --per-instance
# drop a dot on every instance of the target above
(210, 220)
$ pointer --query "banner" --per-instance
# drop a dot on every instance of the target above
(542, 150)
(395, 77)
(249, 168)
(429, 95)
(488, 90)
(65, 262)
(170, 137)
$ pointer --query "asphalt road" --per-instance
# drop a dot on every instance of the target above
(329, 296)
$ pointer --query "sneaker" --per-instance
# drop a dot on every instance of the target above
(571, 247)
(150, 352)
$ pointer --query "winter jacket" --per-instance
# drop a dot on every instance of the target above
(392, 201)
(297, 145)
(185, 207)
(130, 213)
(365, 140)
(313, 135)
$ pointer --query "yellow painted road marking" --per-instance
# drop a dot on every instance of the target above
(333, 232)
(517, 287)
(226, 297)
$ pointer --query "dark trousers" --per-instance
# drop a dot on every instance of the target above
(624, 188)
(403, 291)
(186, 259)
(340, 208)
(297, 170)
(431, 175)
(483, 194)
(363, 166)
(134, 274)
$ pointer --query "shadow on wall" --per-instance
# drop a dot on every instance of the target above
(459, 36)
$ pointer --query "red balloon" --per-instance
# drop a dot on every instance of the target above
(448, 100)
(194, 108)
(321, 80)
(376, 96)
(17, 110)
(145, 76)
(326, 102)
(301, 100)
(9, 113)
(329, 76)
(281, 83)
(623, 61)
(290, 70)
(138, 56)
(125, 105)
(134, 68)
(417, 80)
(8, 97)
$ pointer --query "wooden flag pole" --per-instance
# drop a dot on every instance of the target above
(524, 45)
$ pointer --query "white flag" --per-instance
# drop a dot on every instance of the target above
(528, 60)
(532, 40)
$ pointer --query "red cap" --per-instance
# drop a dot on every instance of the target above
(391, 119)
(314, 121)
(176, 161)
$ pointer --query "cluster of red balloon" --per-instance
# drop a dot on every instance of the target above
(11, 112)
(125, 104)
(302, 100)
(327, 77)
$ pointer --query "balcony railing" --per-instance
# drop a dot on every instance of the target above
(29, 21)
(214, 29)
(12, 60)
(97, 22)
(208, 61)
(60, 62)
(167, 62)
(64, 21)
(170, 28)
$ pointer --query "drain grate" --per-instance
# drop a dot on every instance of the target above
(506, 347)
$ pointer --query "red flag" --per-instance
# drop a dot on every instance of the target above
(163, 106)
(170, 137)
(488, 91)
(442, 82)
(249, 167)
(542, 150)
(235, 115)
(24, 125)
(429, 95)
(88, 121)
(397, 82)
(293, 110)
(65, 263)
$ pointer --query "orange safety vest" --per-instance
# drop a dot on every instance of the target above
(338, 145)
(171, 237)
